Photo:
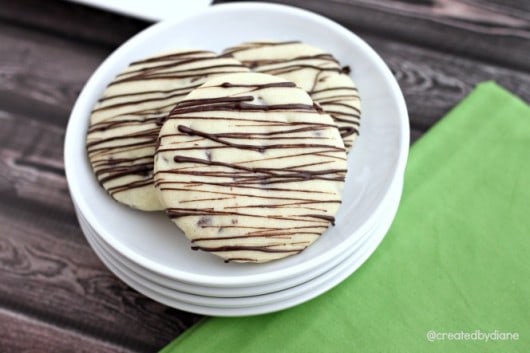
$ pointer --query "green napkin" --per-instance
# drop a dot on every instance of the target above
(455, 265)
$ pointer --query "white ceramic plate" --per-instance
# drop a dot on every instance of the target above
(258, 304)
(138, 271)
(249, 301)
(285, 289)
(209, 301)
(152, 241)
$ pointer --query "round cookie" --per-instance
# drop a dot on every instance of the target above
(249, 168)
(312, 69)
(125, 122)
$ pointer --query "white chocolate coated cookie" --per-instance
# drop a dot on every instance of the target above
(125, 122)
(312, 69)
(249, 169)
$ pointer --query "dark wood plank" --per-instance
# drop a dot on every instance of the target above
(43, 253)
(48, 271)
(415, 135)
(489, 31)
(31, 163)
(512, 6)
(46, 267)
(70, 20)
(25, 334)
(481, 29)
(434, 82)
(41, 75)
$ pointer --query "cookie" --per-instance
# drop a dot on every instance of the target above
(312, 69)
(125, 123)
(249, 168)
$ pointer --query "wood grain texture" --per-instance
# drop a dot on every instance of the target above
(489, 31)
(41, 74)
(478, 29)
(54, 292)
(48, 271)
(41, 247)
(31, 162)
(434, 82)
(25, 334)
(68, 20)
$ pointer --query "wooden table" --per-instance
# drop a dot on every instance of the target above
(55, 294)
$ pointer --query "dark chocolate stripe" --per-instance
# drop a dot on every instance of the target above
(247, 248)
(258, 86)
(322, 65)
(338, 88)
(164, 93)
(262, 148)
(170, 56)
(177, 74)
(184, 212)
(296, 67)
(159, 183)
(256, 44)
(269, 234)
(132, 102)
(196, 174)
(102, 145)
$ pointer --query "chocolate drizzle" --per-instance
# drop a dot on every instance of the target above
(126, 121)
(219, 138)
(320, 70)
(271, 202)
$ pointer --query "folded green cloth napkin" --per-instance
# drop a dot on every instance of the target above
(453, 273)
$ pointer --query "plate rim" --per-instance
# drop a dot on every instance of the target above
(339, 273)
(213, 291)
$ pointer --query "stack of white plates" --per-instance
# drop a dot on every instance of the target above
(148, 252)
